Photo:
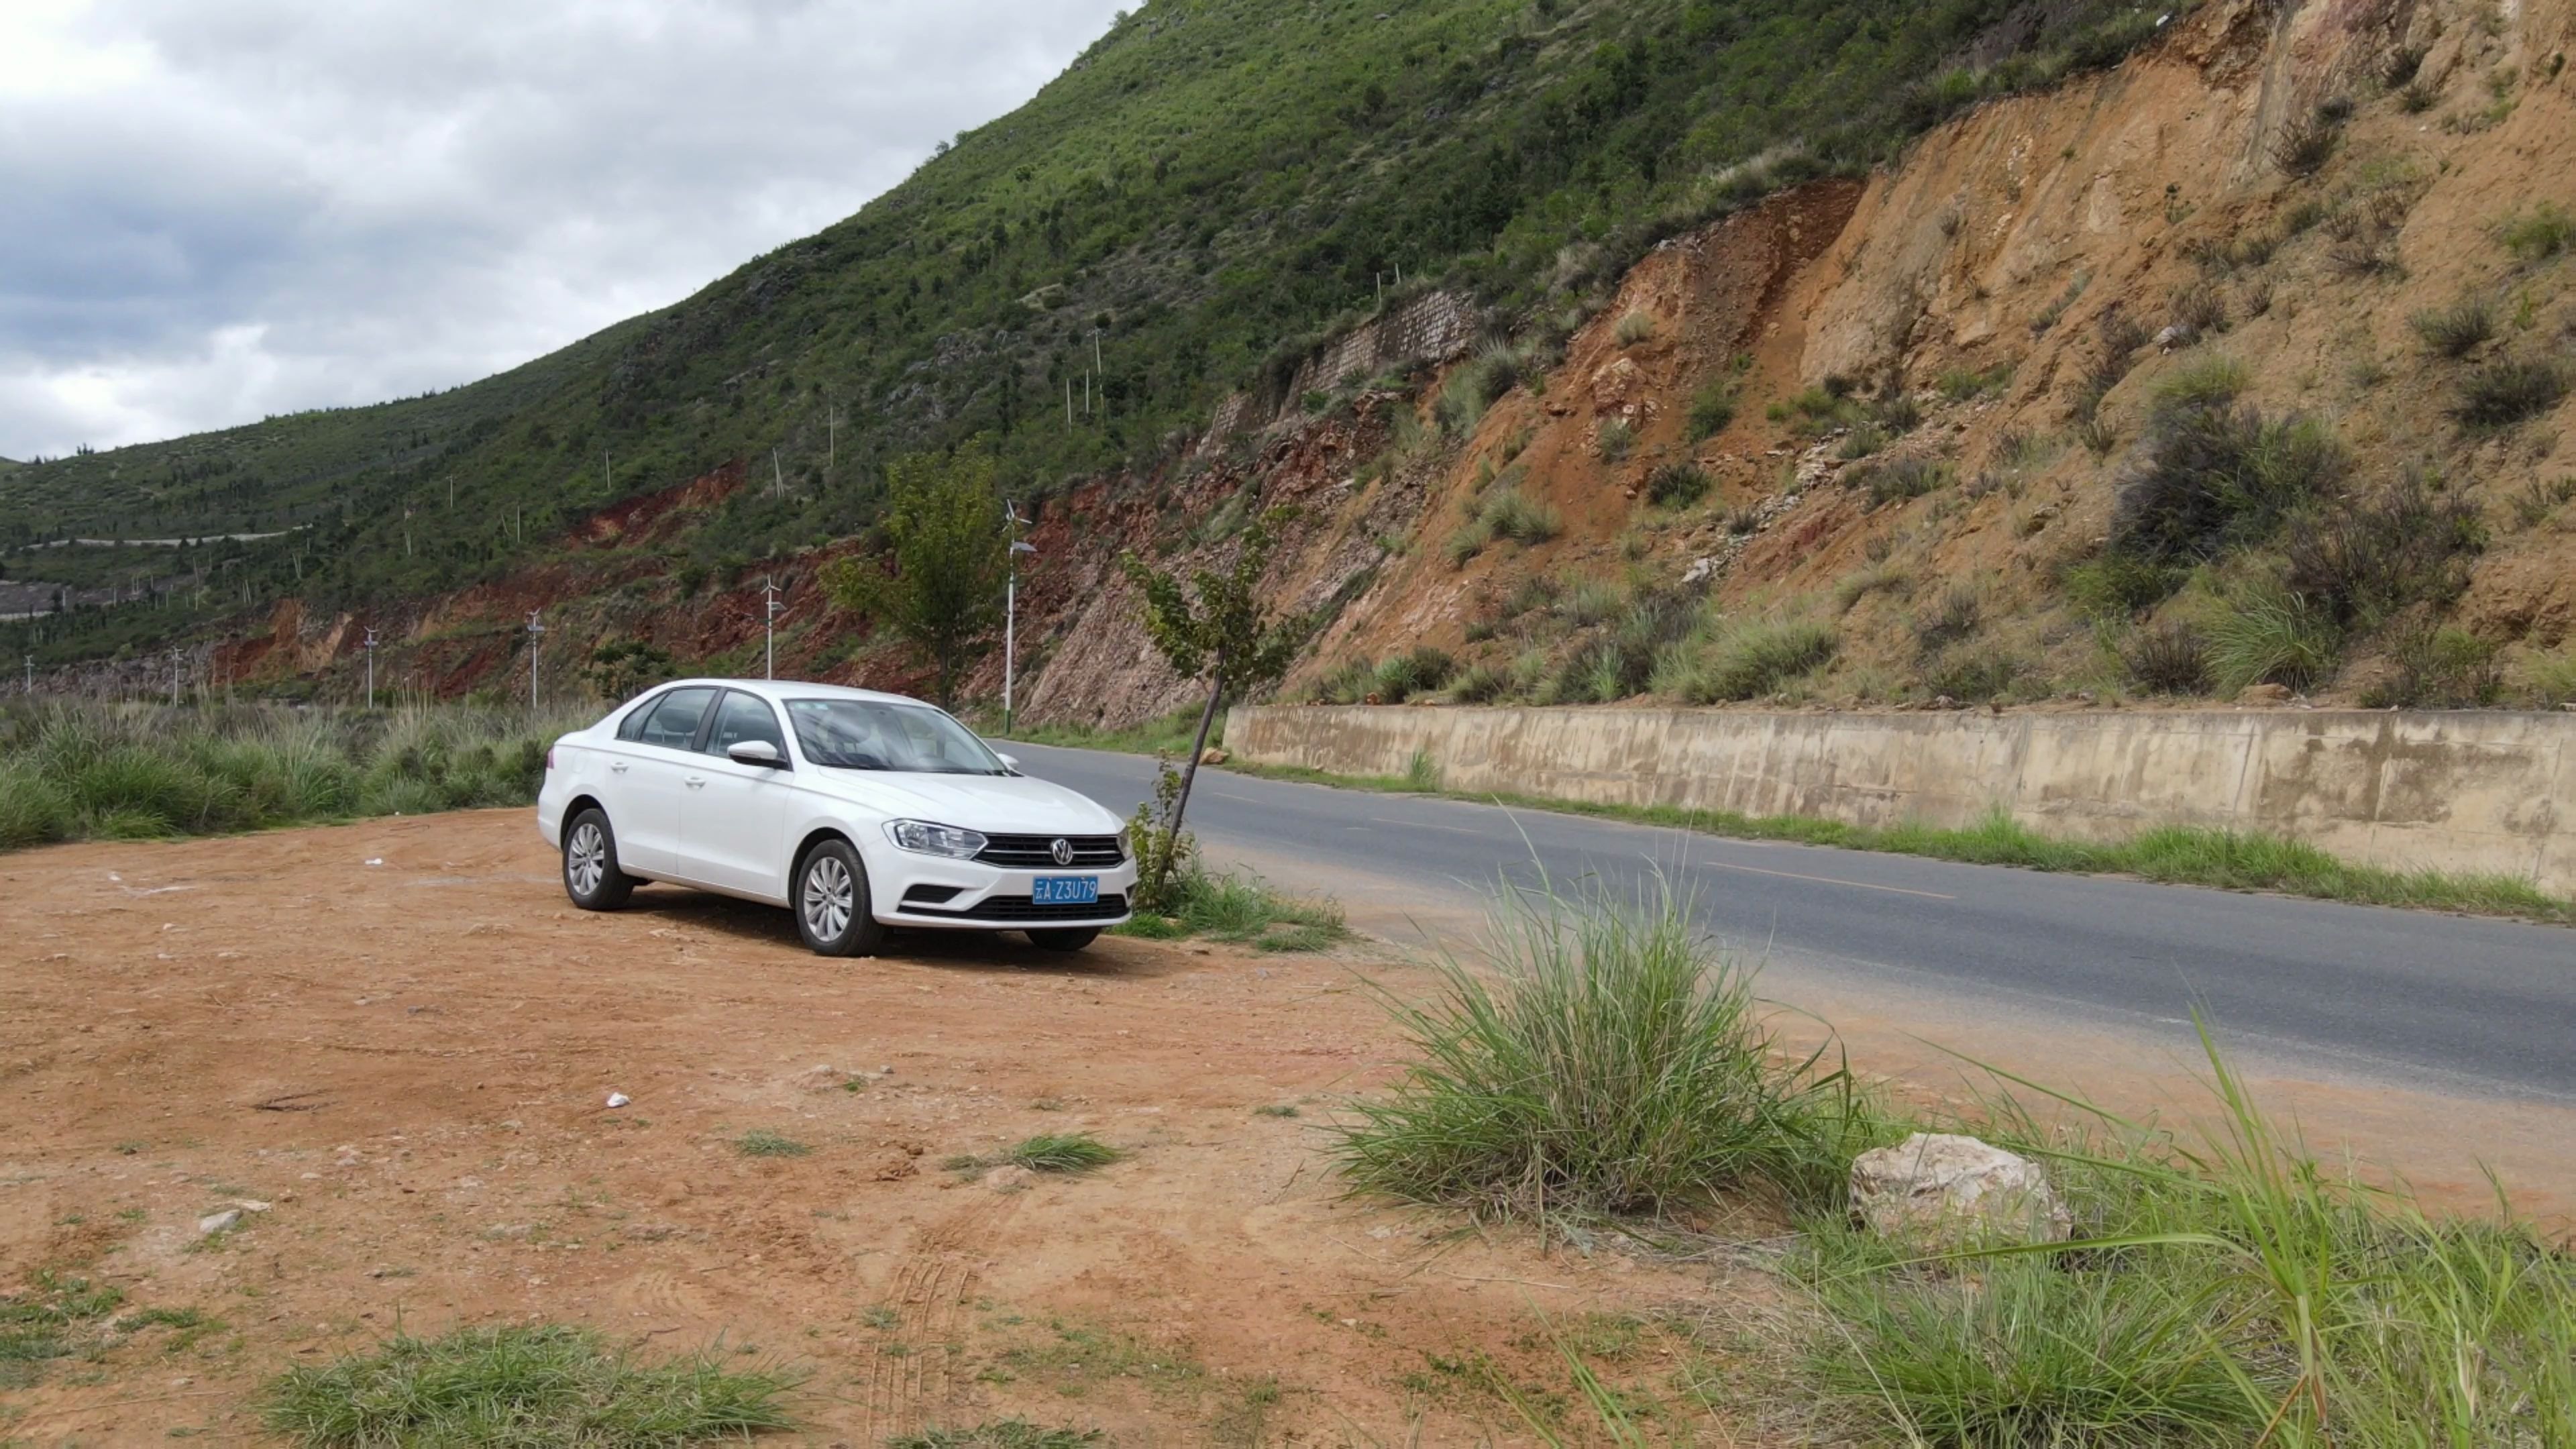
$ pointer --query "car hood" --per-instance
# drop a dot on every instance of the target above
(993, 804)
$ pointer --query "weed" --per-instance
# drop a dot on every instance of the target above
(1481, 684)
(2207, 476)
(2168, 658)
(2539, 234)
(1712, 408)
(1974, 673)
(2117, 585)
(2355, 562)
(1072, 1152)
(2501, 394)
(1422, 773)
(2213, 380)
(1900, 479)
(2538, 500)
(1635, 328)
(1955, 617)
(1677, 485)
(2305, 145)
(1880, 577)
(532, 1386)
(1281, 1109)
(1616, 439)
(2552, 680)
(1610, 1061)
(2438, 669)
(2200, 310)
(1863, 440)
(1744, 520)
(2264, 634)
(2456, 330)
(764, 1143)
(1741, 659)
(1959, 384)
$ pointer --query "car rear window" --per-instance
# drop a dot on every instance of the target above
(673, 724)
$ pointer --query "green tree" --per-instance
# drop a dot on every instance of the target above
(624, 668)
(1214, 628)
(947, 543)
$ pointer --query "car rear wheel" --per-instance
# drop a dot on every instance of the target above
(590, 872)
(833, 913)
(1067, 939)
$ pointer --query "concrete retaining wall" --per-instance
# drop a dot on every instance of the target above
(2487, 792)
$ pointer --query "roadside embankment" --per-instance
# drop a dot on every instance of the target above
(2474, 793)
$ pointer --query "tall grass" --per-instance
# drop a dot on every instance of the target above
(532, 1386)
(71, 771)
(1607, 1060)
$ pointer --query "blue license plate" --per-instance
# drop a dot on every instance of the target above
(1066, 890)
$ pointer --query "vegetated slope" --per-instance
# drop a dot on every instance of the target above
(2248, 363)
(1181, 217)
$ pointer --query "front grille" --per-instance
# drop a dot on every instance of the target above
(1037, 852)
(1022, 908)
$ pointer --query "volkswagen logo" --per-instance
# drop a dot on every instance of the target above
(1062, 850)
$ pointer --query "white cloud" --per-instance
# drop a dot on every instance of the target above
(219, 209)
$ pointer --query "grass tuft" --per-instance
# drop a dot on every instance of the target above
(536, 1387)
(1070, 1152)
(1611, 1060)
(999, 1434)
(761, 1142)
(2501, 394)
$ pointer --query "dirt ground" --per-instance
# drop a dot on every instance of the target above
(400, 1038)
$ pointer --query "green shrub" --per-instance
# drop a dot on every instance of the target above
(1712, 408)
(1974, 673)
(2438, 669)
(1747, 659)
(1863, 440)
(2266, 635)
(2168, 658)
(2501, 394)
(2206, 477)
(1616, 439)
(1591, 602)
(2117, 585)
(2456, 330)
(534, 1386)
(2356, 561)
(2305, 145)
(1481, 684)
(1899, 479)
(1634, 328)
(1609, 1061)
(2552, 680)
(1956, 616)
(1677, 485)
(2208, 382)
(2539, 234)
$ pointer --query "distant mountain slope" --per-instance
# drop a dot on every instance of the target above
(1183, 214)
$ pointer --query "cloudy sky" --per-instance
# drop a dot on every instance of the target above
(212, 210)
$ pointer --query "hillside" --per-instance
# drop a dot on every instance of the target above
(1206, 194)
(2241, 365)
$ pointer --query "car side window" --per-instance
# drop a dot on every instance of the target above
(631, 728)
(745, 717)
(673, 724)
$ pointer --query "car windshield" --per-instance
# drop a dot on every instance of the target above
(867, 734)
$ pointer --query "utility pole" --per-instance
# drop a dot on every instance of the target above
(772, 615)
(536, 646)
(174, 678)
(831, 437)
(1011, 610)
(371, 669)
(31, 676)
(1068, 402)
(777, 477)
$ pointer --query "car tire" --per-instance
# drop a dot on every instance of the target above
(833, 912)
(1071, 938)
(590, 873)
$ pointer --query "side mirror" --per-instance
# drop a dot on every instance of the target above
(754, 752)
(1009, 762)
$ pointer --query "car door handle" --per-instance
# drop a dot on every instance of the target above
(697, 782)
(617, 767)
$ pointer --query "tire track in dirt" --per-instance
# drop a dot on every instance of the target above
(911, 1367)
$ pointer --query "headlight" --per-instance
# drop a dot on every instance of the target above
(929, 839)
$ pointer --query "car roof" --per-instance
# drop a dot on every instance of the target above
(781, 690)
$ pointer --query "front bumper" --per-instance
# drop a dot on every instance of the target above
(964, 895)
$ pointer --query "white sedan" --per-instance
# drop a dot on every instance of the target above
(858, 811)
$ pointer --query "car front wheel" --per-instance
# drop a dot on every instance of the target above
(831, 900)
(1070, 939)
(590, 872)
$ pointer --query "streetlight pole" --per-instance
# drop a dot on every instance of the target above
(773, 615)
(174, 678)
(371, 669)
(536, 646)
(1011, 611)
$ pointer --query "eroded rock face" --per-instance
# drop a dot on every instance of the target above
(1943, 1192)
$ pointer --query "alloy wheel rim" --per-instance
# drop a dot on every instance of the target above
(588, 861)
(829, 899)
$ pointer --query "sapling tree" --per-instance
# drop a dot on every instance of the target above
(946, 530)
(1214, 627)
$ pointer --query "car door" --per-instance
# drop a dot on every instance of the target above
(734, 831)
(648, 777)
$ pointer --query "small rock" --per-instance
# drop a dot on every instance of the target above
(1213, 757)
(1944, 1192)
(2177, 335)
(618, 1099)
(213, 1223)
(1009, 1179)
(2264, 694)
(251, 1205)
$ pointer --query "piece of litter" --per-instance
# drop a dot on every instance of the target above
(378, 860)
(214, 1223)
(618, 1099)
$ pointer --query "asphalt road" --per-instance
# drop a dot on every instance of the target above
(2374, 994)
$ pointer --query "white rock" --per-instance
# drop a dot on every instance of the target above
(1944, 1192)
(618, 1099)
